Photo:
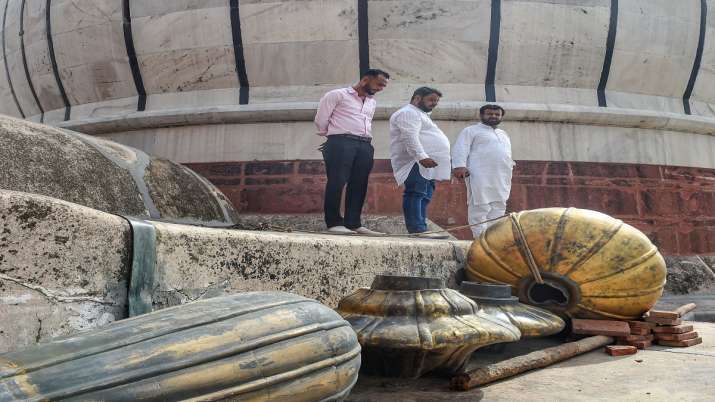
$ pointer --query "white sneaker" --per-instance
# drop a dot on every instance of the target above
(340, 230)
(365, 231)
(427, 235)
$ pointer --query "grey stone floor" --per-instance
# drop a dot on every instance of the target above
(656, 374)
(705, 310)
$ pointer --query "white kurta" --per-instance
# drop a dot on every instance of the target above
(486, 153)
(413, 137)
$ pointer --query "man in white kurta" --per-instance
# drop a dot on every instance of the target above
(419, 152)
(482, 157)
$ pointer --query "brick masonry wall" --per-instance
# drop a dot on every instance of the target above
(674, 206)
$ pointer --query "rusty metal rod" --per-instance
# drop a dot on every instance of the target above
(520, 364)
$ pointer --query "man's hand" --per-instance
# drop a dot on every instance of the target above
(460, 172)
(428, 163)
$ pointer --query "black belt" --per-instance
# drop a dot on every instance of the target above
(352, 137)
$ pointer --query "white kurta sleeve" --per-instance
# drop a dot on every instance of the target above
(461, 148)
(409, 125)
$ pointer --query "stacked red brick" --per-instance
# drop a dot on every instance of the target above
(670, 330)
(641, 335)
(664, 327)
(617, 329)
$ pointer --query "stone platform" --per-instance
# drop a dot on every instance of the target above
(65, 267)
(194, 262)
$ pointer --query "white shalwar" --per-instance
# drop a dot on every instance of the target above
(486, 153)
(413, 137)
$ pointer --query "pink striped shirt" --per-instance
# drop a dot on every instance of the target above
(342, 111)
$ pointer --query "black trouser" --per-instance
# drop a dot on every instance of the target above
(347, 161)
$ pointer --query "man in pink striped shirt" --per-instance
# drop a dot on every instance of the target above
(345, 117)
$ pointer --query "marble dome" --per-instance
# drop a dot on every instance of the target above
(610, 104)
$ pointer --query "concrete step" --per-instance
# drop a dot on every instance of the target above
(658, 373)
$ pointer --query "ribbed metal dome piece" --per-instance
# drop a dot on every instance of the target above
(409, 326)
(497, 301)
(592, 265)
(248, 346)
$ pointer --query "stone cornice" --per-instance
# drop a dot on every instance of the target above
(457, 111)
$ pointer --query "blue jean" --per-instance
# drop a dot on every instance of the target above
(415, 199)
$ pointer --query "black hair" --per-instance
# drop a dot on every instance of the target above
(425, 91)
(491, 107)
(374, 72)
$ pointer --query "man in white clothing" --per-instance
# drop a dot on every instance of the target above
(419, 152)
(482, 157)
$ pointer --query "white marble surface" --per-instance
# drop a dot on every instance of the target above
(90, 51)
(14, 60)
(106, 109)
(270, 21)
(146, 8)
(191, 29)
(7, 103)
(547, 95)
(543, 61)
(630, 100)
(537, 134)
(441, 43)
(701, 108)
(304, 64)
(186, 50)
(38, 56)
(550, 57)
(703, 92)
(654, 50)
(306, 43)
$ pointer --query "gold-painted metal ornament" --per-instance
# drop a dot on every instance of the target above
(574, 262)
(254, 346)
(409, 326)
(497, 301)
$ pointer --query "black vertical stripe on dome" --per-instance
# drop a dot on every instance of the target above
(53, 60)
(24, 61)
(698, 56)
(132, 55)
(610, 44)
(493, 54)
(238, 52)
(4, 58)
(363, 37)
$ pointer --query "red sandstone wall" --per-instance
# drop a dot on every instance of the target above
(674, 206)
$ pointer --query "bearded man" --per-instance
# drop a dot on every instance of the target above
(482, 157)
(344, 116)
(419, 153)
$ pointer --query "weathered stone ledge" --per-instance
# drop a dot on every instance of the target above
(193, 262)
(65, 267)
